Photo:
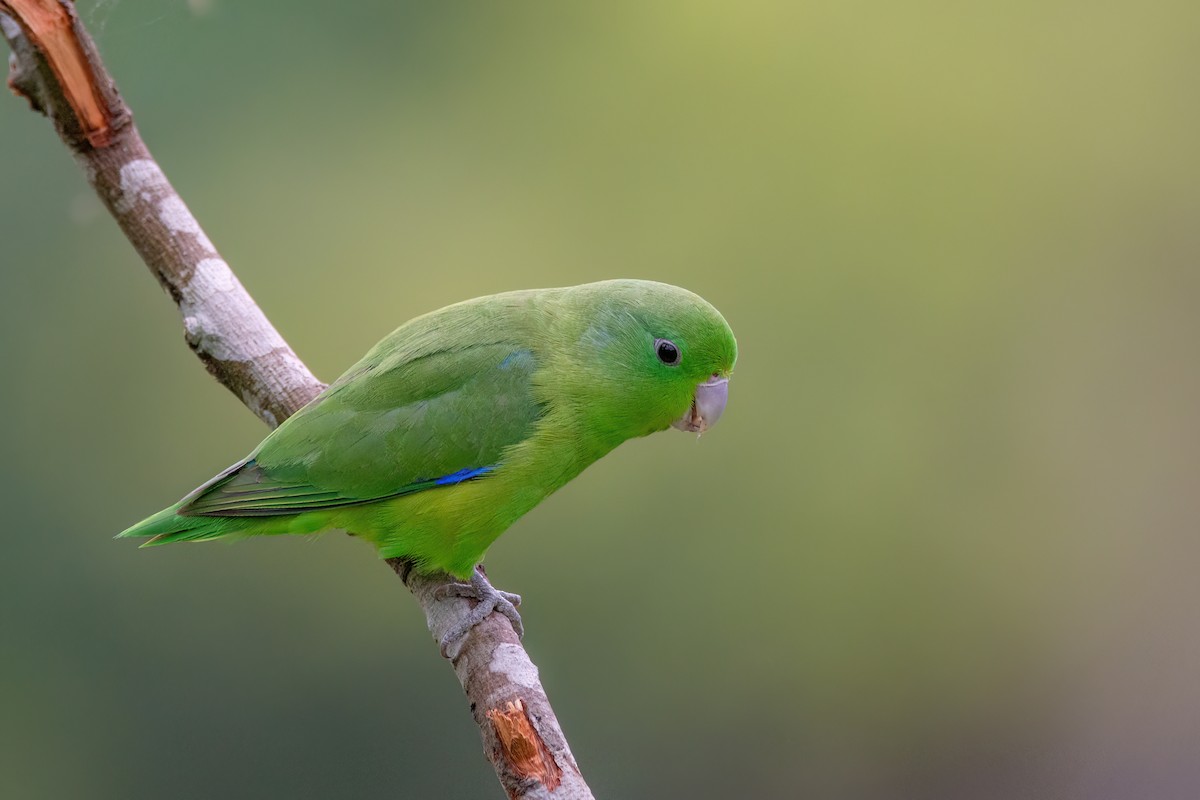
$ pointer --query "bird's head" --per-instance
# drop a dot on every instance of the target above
(652, 356)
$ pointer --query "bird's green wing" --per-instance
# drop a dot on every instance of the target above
(391, 426)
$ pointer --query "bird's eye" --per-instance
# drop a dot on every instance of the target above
(667, 352)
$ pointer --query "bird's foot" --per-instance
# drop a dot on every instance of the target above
(489, 599)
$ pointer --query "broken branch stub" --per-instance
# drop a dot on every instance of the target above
(54, 33)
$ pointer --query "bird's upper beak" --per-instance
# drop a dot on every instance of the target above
(707, 406)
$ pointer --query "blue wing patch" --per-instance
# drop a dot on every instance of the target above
(518, 358)
(462, 475)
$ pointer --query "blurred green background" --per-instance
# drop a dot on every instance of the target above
(942, 545)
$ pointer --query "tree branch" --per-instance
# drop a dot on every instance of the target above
(55, 66)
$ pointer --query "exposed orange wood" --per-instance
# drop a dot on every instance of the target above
(523, 746)
(49, 24)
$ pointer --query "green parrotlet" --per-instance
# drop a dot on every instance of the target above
(464, 419)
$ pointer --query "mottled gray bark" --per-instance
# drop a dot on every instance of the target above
(55, 66)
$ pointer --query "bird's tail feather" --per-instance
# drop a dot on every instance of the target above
(169, 526)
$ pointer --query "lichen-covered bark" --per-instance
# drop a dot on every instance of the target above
(221, 322)
(55, 66)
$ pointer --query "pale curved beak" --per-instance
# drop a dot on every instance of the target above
(707, 406)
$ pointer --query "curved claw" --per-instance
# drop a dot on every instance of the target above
(489, 599)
